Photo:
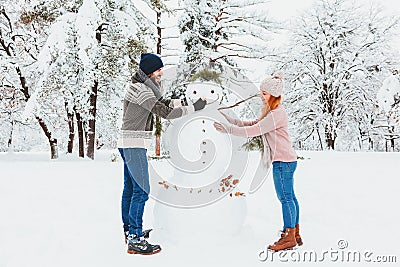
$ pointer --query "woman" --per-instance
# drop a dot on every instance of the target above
(273, 124)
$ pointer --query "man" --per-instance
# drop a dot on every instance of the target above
(142, 100)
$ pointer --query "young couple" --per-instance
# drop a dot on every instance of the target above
(143, 99)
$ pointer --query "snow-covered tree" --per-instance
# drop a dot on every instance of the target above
(62, 78)
(11, 105)
(220, 31)
(216, 33)
(87, 64)
(387, 123)
(22, 33)
(334, 62)
(123, 40)
(160, 33)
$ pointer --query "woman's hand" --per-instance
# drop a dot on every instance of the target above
(229, 119)
(223, 114)
(220, 127)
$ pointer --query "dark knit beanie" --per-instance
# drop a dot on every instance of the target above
(149, 63)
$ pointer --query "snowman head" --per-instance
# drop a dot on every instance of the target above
(209, 90)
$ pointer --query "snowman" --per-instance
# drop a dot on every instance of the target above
(201, 196)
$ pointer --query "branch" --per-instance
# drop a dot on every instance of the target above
(233, 43)
(3, 11)
(234, 50)
(170, 37)
(6, 48)
(30, 54)
(240, 56)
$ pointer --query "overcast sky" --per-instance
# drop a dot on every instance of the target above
(287, 8)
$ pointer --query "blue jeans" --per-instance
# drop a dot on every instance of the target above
(283, 181)
(136, 189)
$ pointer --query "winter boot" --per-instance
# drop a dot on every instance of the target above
(287, 241)
(299, 241)
(141, 246)
(281, 234)
(126, 234)
(146, 234)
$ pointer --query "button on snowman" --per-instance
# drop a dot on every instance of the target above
(201, 197)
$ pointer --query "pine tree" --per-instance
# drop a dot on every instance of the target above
(217, 33)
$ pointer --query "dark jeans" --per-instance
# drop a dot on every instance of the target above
(136, 189)
(283, 181)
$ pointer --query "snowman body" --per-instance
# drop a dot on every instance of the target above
(202, 195)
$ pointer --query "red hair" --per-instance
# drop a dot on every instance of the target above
(272, 103)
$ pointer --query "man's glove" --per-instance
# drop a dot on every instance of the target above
(199, 104)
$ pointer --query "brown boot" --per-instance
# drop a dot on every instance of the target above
(287, 241)
(297, 235)
(282, 236)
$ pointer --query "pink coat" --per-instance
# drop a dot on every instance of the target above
(275, 128)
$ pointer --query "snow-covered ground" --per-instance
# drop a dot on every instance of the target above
(67, 213)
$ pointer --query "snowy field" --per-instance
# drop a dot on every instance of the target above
(67, 213)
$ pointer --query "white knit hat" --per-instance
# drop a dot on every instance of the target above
(273, 85)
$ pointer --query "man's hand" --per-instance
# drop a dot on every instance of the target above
(220, 127)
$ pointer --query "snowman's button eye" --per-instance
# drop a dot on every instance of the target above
(212, 91)
(204, 142)
(194, 92)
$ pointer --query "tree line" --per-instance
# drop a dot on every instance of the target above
(65, 66)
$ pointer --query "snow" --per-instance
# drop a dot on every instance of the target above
(200, 157)
(86, 22)
(67, 212)
(55, 42)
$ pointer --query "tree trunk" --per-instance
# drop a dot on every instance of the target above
(81, 141)
(158, 136)
(85, 134)
(25, 90)
(9, 143)
(392, 138)
(319, 138)
(158, 119)
(330, 138)
(92, 121)
(70, 117)
(52, 141)
(91, 133)
(47, 133)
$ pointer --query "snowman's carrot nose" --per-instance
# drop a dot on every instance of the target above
(204, 98)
